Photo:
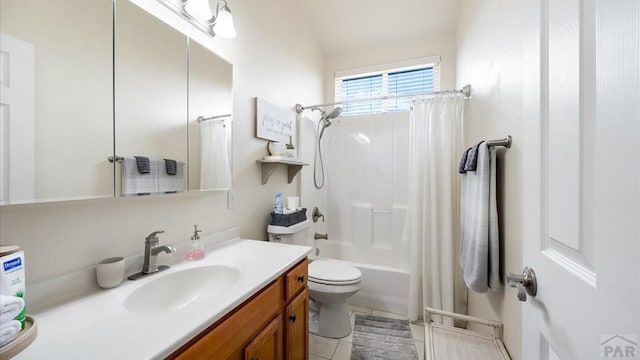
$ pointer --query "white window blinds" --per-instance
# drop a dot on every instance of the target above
(393, 82)
(362, 88)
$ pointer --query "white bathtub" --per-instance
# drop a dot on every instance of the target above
(383, 288)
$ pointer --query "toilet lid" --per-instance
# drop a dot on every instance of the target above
(333, 273)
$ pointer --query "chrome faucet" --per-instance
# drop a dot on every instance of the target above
(151, 251)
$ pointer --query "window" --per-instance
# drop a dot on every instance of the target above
(390, 81)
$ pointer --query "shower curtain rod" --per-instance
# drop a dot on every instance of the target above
(466, 91)
(217, 117)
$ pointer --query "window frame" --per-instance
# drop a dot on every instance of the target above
(384, 70)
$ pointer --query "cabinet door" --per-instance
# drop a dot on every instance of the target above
(229, 338)
(297, 318)
(267, 345)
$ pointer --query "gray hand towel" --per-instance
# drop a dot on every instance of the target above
(133, 183)
(472, 158)
(143, 164)
(171, 166)
(463, 162)
(170, 183)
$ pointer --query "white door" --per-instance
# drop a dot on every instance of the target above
(581, 161)
(17, 120)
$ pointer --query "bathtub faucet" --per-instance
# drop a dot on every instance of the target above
(319, 236)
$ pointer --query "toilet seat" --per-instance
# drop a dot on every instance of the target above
(333, 273)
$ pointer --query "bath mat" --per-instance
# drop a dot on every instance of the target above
(378, 338)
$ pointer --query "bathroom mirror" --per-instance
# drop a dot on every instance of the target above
(210, 120)
(64, 83)
(56, 117)
(150, 101)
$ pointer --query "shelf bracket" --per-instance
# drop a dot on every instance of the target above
(292, 171)
(268, 167)
(267, 170)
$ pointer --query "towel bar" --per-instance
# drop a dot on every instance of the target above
(220, 118)
(506, 142)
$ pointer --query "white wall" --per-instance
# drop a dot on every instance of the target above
(490, 59)
(270, 61)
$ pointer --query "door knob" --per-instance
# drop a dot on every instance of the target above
(525, 283)
(292, 318)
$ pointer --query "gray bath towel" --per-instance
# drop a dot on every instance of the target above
(479, 248)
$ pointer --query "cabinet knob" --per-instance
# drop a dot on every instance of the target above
(300, 278)
(292, 318)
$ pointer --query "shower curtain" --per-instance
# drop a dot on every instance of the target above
(436, 143)
(215, 167)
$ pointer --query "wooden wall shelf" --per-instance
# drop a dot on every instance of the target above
(269, 166)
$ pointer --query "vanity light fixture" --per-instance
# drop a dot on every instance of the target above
(199, 14)
(223, 21)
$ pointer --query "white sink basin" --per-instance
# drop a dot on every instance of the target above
(181, 289)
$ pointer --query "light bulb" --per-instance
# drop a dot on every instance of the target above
(224, 24)
(199, 9)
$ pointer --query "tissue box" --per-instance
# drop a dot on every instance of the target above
(13, 280)
(289, 219)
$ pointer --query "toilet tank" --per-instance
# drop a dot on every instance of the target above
(294, 234)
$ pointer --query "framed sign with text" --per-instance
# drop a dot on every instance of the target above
(274, 123)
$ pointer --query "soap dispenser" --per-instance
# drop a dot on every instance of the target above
(196, 250)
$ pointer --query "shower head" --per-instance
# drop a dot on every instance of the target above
(334, 113)
(326, 118)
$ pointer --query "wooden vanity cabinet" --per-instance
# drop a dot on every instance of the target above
(268, 344)
(273, 324)
(297, 327)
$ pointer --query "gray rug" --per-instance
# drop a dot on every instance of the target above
(378, 338)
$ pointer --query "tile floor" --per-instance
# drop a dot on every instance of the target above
(340, 349)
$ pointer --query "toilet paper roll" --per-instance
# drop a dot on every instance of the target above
(293, 202)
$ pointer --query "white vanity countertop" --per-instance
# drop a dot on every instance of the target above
(100, 327)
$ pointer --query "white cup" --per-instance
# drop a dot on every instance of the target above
(293, 202)
(110, 272)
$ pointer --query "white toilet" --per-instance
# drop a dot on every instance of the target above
(330, 284)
